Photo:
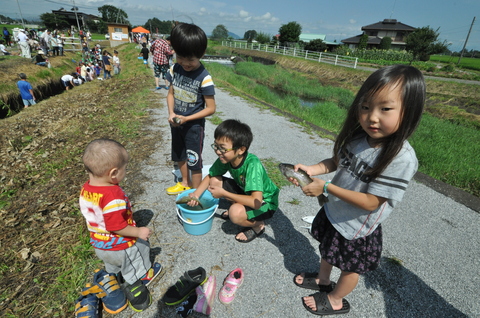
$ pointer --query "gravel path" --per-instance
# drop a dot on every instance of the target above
(427, 233)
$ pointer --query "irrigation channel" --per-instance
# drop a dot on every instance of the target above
(231, 61)
(13, 102)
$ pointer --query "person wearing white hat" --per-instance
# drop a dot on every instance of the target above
(22, 41)
(40, 59)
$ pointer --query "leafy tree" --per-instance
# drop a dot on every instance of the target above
(6, 19)
(263, 38)
(362, 44)
(53, 21)
(290, 33)
(97, 27)
(423, 42)
(250, 35)
(113, 14)
(316, 45)
(220, 32)
(163, 27)
(274, 40)
(385, 43)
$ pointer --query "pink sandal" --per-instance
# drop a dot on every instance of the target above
(230, 285)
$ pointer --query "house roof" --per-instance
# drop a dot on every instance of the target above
(306, 37)
(356, 39)
(389, 24)
(119, 24)
(385, 25)
(72, 14)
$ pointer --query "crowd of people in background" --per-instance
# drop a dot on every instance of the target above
(95, 63)
(91, 67)
(27, 42)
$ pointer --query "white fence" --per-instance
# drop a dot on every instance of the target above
(340, 60)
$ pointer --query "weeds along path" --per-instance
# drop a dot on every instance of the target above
(45, 257)
(417, 255)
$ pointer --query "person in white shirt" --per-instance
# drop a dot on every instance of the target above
(22, 41)
(3, 49)
(116, 63)
(45, 41)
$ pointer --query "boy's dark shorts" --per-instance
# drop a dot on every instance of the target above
(67, 84)
(231, 186)
(187, 145)
(160, 69)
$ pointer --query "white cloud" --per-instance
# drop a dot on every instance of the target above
(244, 14)
(266, 16)
(352, 21)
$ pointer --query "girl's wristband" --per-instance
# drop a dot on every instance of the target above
(325, 188)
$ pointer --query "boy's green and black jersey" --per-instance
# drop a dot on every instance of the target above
(250, 175)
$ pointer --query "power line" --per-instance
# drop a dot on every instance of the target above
(66, 3)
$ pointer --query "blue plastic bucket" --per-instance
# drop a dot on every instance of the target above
(197, 222)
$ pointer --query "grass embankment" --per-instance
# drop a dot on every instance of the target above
(446, 141)
(46, 257)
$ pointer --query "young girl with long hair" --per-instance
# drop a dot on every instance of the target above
(374, 164)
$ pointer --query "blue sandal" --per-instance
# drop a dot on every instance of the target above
(87, 306)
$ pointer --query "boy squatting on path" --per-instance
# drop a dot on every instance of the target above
(374, 164)
(118, 242)
(26, 90)
(190, 99)
(253, 194)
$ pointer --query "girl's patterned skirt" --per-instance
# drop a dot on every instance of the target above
(358, 255)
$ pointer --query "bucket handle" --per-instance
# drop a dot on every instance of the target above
(185, 221)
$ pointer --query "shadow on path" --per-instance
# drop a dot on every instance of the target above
(406, 295)
(298, 253)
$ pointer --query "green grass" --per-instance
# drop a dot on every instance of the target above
(271, 166)
(325, 113)
(98, 37)
(214, 119)
(447, 150)
(10, 27)
(465, 62)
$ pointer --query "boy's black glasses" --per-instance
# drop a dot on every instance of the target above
(221, 150)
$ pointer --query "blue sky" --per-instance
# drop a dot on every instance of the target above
(338, 19)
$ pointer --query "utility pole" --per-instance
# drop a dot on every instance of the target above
(466, 40)
(76, 16)
(21, 16)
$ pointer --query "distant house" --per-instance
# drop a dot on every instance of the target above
(397, 31)
(76, 18)
(307, 37)
(118, 33)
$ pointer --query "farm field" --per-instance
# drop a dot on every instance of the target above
(465, 62)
